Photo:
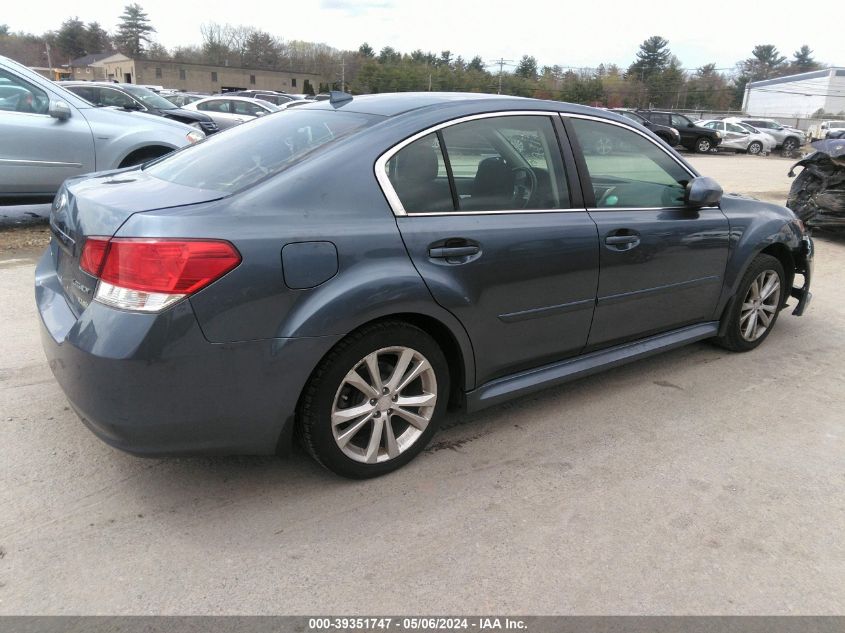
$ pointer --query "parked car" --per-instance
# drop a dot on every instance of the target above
(271, 96)
(739, 137)
(139, 99)
(230, 111)
(787, 138)
(48, 134)
(355, 267)
(820, 131)
(693, 137)
(668, 134)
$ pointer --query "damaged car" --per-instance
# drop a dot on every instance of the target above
(817, 195)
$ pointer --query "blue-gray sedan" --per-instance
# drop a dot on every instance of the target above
(352, 268)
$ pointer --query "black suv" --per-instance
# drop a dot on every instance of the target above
(693, 137)
(140, 99)
(666, 133)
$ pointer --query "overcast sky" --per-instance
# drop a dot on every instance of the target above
(555, 32)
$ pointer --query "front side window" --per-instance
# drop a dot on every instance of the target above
(715, 125)
(247, 108)
(735, 128)
(115, 98)
(679, 121)
(628, 170)
(507, 163)
(17, 95)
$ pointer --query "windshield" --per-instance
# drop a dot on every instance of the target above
(837, 124)
(249, 153)
(149, 98)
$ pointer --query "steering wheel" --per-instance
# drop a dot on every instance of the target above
(524, 186)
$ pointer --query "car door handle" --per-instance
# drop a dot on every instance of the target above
(620, 240)
(442, 252)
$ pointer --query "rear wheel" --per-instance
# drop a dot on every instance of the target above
(703, 145)
(375, 400)
(755, 147)
(758, 302)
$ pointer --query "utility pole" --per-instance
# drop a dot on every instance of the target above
(429, 81)
(501, 64)
(343, 74)
(49, 60)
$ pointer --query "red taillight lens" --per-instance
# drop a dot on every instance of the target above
(93, 255)
(167, 266)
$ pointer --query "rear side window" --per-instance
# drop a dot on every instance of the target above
(508, 163)
(660, 119)
(217, 105)
(418, 175)
(628, 170)
(247, 154)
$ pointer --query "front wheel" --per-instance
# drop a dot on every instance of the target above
(703, 145)
(758, 301)
(790, 145)
(755, 147)
(375, 401)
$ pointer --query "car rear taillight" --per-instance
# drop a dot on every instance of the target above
(150, 274)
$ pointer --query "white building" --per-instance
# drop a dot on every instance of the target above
(797, 95)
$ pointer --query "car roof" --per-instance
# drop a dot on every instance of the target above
(396, 103)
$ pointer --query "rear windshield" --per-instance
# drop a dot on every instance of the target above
(240, 157)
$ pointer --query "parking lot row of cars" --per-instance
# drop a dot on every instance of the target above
(741, 134)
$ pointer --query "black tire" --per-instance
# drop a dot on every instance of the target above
(790, 145)
(754, 148)
(327, 383)
(733, 338)
(703, 145)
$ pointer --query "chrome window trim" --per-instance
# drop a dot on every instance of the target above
(390, 193)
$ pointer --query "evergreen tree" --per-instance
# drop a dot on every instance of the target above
(70, 39)
(802, 60)
(765, 62)
(4, 29)
(365, 50)
(96, 39)
(527, 67)
(653, 58)
(134, 31)
(476, 63)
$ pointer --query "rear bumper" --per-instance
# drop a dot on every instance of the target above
(804, 266)
(151, 384)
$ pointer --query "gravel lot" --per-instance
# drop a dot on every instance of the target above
(696, 482)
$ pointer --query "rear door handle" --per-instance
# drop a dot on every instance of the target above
(442, 252)
(616, 240)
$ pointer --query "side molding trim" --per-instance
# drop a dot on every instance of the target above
(522, 383)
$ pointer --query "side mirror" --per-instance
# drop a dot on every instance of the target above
(59, 110)
(702, 192)
(690, 124)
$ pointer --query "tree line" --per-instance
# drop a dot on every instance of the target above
(655, 77)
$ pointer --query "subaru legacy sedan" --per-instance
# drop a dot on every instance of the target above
(348, 271)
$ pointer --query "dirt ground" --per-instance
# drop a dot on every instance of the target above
(696, 482)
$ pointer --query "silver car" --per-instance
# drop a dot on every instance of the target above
(740, 137)
(230, 111)
(787, 138)
(48, 134)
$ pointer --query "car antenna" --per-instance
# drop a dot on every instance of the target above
(338, 96)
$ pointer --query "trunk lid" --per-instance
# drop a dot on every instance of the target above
(98, 206)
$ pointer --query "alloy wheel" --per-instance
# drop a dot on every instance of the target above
(384, 404)
(760, 305)
(704, 145)
(604, 146)
(755, 148)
